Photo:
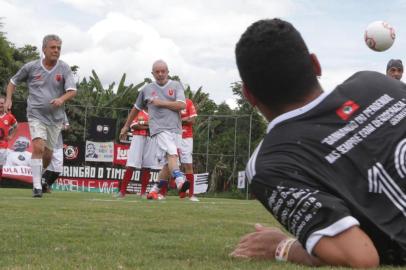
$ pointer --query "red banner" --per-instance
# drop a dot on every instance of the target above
(17, 165)
(120, 154)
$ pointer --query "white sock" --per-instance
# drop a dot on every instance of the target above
(155, 188)
(36, 169)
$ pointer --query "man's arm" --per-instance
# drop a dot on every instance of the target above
(139, 125)
(134, 111)
(351, 248)
(57, 102)
(9, 95)
(171, 105)
(189, 120)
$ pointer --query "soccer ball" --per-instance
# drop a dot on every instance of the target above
(379, 36)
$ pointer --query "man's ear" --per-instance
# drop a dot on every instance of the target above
(248, 95)
(316, 64)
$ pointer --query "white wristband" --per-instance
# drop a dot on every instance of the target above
(283, 248)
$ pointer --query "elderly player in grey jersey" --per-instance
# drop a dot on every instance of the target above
(50, 84)
(165, 99)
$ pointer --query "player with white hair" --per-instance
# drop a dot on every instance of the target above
(50, 84)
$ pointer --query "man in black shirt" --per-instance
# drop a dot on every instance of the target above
(332, 166)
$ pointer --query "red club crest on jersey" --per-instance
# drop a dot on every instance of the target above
(154, 94)
(170, 92)
(347, 109)
(58, 77)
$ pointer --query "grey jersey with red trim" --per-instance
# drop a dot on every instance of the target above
(43, 86)
(162, 119)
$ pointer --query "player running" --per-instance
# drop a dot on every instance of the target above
(165, 99)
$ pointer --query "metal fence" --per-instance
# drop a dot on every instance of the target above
(222, 143)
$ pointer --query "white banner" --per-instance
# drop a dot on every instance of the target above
(241, 179)
(99, 151)
(201, 182)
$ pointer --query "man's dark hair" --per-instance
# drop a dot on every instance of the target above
(396, 63)
(274, 62)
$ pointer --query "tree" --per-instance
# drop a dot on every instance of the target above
(93, 99)
(7, 63)
(11, 60)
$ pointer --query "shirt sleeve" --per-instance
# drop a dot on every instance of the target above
(21, 75)
(139, 103)
(180, 93)
(69, 80)
(306, 211)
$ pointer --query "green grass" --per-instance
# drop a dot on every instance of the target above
(94, 231)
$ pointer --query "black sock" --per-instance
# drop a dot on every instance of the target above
(50, 177)
(185, 186)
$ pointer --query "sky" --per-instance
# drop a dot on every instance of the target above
(197, 37)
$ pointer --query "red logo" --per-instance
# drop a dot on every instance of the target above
(58, 77)
(170, 92)
(347, 109)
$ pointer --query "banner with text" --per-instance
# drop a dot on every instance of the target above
(98, 179)
(201, 182)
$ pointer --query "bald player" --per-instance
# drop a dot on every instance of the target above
(165, 99)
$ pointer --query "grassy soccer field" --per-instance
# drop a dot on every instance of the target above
(94, 231)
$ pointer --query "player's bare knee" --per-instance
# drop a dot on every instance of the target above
(38, 148)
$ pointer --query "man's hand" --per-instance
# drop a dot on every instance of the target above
(260, 244)
(155, 101)
(57, 102)
(123, 133)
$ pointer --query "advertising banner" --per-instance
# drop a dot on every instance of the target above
(201, 182)
(99, 151)
(241, 179)
(120, 154)
(17, 165)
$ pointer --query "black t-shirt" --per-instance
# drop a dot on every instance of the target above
(337, 162)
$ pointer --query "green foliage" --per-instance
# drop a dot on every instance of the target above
(7, 63)
(93, 99)
(11, 60)
(259, 123)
